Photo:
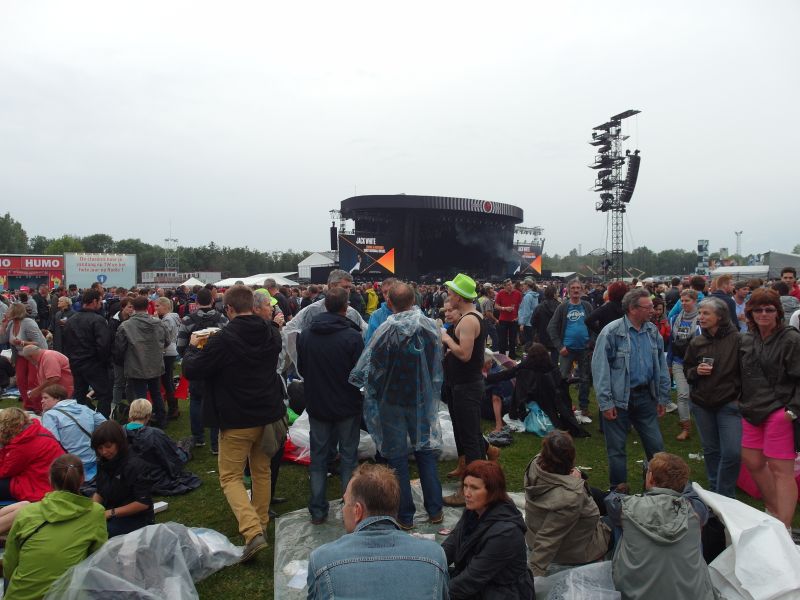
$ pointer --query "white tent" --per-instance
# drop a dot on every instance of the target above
(192, 281)
(280, 279)
(743, 272)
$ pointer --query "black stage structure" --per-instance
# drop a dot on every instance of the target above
(426, 238)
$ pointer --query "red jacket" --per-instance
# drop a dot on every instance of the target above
(26, 461)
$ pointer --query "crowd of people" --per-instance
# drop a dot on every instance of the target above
(380, 357)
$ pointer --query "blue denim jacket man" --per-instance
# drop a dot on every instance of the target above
(376, 559)
(631, 381)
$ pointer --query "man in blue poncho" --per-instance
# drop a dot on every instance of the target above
(401, 373)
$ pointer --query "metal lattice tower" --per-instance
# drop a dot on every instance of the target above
(171, 262)
(615, 190)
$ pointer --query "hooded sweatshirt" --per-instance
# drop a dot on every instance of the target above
(61, 531)
(724, 384)
(660, 555)
(327, 352)
(563, 520)
(239, 367)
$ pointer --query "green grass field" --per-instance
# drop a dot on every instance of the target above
(206, 506)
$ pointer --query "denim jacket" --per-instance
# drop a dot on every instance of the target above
(378, 560)
(611, 366)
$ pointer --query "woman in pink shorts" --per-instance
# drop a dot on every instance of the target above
(770, 362)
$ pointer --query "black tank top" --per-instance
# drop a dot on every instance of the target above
(458, 371)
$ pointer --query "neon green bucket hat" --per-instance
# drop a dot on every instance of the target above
(463, 285)
(272, 300)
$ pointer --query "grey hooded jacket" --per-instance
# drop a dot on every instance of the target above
(140, 343)
(660, 555)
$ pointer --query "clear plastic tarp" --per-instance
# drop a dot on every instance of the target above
(587, 582)
(401, 373)
(296, 537)
(299, 433)
(156, 562)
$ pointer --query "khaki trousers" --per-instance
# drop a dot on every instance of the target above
(236, 446)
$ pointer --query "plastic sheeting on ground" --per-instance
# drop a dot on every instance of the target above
(587, 582)
(762, 562)
(299, 437)
(296, 537)
(156, 562)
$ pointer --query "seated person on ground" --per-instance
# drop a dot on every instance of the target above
(659, 554)
(537, 380)
(27, 451)
(487, 546)
(50, 536)
(164, 458)
(123, 485)
(72, 424)
(497, 396)
(376, 559)
(563, 520)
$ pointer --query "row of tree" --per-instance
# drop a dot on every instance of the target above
(231, 262)
(238, 261)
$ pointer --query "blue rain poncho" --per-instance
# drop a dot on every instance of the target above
(401, 373)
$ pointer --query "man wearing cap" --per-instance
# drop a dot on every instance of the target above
(51, 367)
(508, 301)
(463, 365)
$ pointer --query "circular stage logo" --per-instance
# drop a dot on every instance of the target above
(488, 207)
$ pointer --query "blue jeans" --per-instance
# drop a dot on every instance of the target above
(196, 416)
(641, 413)
(141, 387)
(324, 436)
(721, 435)
(584, 373)
(429, 478)
(491, 331)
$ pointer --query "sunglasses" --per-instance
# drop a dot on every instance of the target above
(766, 309)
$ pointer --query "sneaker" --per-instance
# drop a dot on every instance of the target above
(215, 451)
(581, 418)
(199, 443)
(253, 547)
(437, 519)
(319, 520)
(406, 526)
(671, 407)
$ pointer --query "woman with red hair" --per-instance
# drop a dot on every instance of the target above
(610, 311)
(487, 546)
(770, 404)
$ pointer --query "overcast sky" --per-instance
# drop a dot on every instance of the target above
(246, 122)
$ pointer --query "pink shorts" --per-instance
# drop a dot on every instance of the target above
(774, 437)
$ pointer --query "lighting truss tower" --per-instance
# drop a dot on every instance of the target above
(171, 262)
(615, 189)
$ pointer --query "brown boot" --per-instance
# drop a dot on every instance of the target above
(456, 499)
(459, 470)
(685, 430)
(493, 453)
